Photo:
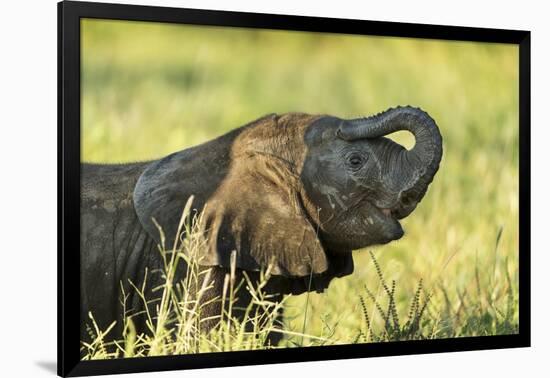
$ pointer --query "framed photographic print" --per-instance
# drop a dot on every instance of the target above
(240, 188)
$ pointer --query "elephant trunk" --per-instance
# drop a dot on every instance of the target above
(420, 163)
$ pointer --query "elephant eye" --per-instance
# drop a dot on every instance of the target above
(355, 161)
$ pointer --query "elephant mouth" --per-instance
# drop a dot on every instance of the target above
(372, 225)
(391, 213)
(387, 212)
(387, 220)
(394, 213)
(397, 212)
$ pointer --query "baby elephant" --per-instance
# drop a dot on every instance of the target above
(295, 191)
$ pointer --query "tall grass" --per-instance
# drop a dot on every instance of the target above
(427, 320)
(176, 324)
(173, 86)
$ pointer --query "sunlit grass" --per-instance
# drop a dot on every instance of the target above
(152, 89)
(175, 318)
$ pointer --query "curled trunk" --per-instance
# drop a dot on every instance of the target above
(422, 161)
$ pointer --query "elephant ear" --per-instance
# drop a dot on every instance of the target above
(249, 199)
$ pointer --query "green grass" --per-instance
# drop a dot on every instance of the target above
(151, 89)
(175, 326)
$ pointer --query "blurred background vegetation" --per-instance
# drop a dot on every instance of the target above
(149, 89)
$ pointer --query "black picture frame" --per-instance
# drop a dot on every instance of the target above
(69, 15)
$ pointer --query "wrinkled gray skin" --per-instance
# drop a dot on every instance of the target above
(296, 191)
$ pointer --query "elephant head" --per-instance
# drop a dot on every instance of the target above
(363, 183)
(296, 191)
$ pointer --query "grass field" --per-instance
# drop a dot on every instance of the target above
(152, 89)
